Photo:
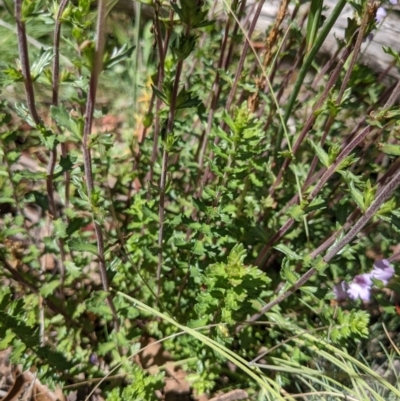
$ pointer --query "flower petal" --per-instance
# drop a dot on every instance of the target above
(380, 14)
(382, 270)
(360, 287)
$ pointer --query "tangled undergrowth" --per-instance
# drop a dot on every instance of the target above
(166, 179)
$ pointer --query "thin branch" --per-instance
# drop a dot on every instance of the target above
(53, 152)
(94, 78)
(24, 57)
(162, 51)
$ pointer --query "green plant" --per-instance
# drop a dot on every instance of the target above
(165, 180)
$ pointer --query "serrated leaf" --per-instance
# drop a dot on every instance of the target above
(23, 112)
(6, 341)
(296, 212)
(77, 245)
(319, 264)
(97, 304)
(369, 194)
(60, 228)
(48, 288)
(348, 161)
(72, 270)
(198, 248)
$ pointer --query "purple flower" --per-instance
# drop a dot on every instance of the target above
(340, 291)
(360, 287)
(382, 271)
(93, 359)
(394, 2)
(380, 14)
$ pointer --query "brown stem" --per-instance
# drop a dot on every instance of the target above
(24, 57)
(162, 51)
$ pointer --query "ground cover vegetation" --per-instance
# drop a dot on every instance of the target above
(178, 177)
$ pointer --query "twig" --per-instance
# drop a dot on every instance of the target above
(24, 57)
(97, 68)
(162, 51)
(53, 152)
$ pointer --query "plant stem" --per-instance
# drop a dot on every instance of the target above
(163, 178)
(94, 77)
(24, 57)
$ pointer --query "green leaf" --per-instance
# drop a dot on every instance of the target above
(309, 290)
(291, 255)
(198, 248)
(393, 53)
(317, 203)
(369, 194)
(118, 55)
(106, 347)
(45, 57)
(319, 264)
(98, 305)
(357, 196)
(61, 116)
(66, 164)
(23, 113)
(7, 200)
(289, 274)
(296, 212)
(5, 342)
(389, 149)
(48, 288)
(60, 228)
(78, 245)
(163, 96)
(321, 154)
(313, 23)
